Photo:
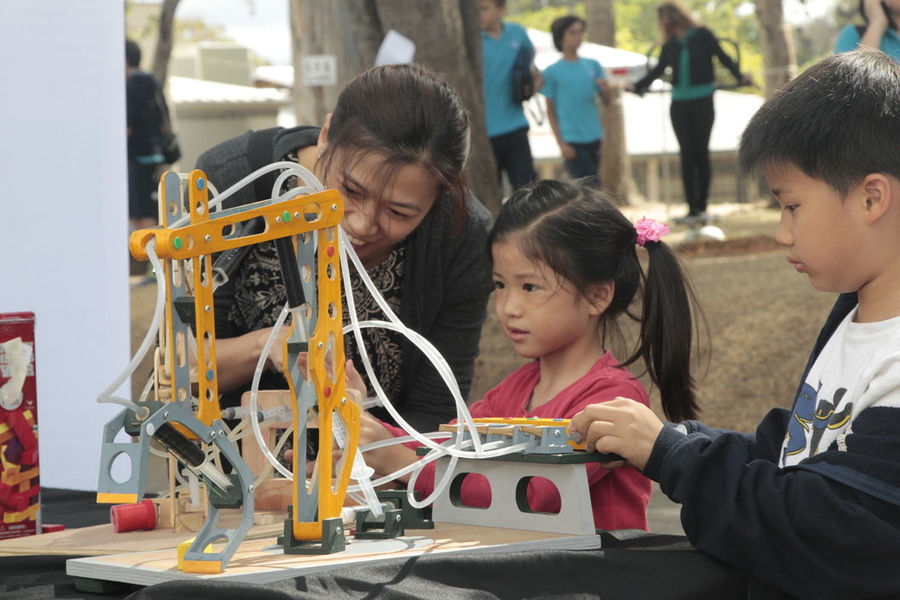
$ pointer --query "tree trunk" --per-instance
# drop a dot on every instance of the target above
(165, 41)
(347, 29)
(779, 59)
(615, 162)
(447, 40)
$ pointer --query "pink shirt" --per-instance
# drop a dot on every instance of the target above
(619, 497)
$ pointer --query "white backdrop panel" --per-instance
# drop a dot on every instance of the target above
(63, 215)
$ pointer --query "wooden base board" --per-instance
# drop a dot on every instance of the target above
(261, 561)
(101, 539)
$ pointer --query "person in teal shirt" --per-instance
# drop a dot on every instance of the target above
(880, 31)
(689, 49)
(571, 86)
(507, 127)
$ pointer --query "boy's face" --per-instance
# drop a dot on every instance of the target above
(822, 231)
(490, 14)
(572, 37)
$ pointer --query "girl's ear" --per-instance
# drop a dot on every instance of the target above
(600, 296)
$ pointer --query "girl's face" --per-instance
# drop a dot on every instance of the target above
(375, 226)
(572, 37)
(543, 316)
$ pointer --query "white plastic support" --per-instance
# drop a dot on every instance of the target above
(575, 515)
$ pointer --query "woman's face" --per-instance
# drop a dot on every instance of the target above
(375, 226)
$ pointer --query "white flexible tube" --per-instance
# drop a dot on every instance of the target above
(106, 396)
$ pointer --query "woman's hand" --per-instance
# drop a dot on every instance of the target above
(568, 151)
(620, 426)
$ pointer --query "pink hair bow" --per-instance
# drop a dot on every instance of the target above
(649, 230)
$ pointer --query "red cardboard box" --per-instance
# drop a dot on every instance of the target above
(19, 481)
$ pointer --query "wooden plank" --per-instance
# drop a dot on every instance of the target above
(102, 540)
(262, 561)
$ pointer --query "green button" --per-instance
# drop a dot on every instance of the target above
(177, 243)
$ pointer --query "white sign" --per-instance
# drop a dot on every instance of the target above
(319, 70)
(396, 49)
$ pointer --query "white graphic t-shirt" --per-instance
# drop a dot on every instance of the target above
(858, 368)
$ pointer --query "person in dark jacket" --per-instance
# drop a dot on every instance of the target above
(810, 504)
(144, 139)
(689, 49)
(394, 147)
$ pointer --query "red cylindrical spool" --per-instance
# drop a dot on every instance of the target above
(128, 517)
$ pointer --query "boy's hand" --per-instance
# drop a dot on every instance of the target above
(620, 426)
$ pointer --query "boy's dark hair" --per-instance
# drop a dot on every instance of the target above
(838, 121)
(559, 26)
(132, 54)
(578, 233)
(404, 114)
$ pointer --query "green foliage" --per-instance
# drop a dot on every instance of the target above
(544, 17)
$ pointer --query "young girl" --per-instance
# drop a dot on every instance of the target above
(880, 31)
(565, 268)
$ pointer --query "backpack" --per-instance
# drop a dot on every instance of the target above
(523, 78)
(168, 142)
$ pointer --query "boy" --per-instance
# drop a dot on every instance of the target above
(507, 127)
(571, 86)
(810, 504)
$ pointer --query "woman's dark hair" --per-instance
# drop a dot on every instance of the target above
(404, 114)
(559, 26)
(674, 18)
(586, 240)
(862, 11)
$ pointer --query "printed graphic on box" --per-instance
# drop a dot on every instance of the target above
(19, 481)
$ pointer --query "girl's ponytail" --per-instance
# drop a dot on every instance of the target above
(666, 332)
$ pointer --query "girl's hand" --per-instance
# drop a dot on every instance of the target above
(356, 387)
(568, 151)
(275, 358)
(875, 13)
(620, 426)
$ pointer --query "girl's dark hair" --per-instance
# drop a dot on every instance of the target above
(404, 114)
(585, 239)
(674, 17)
(559, 26)
(862, 11)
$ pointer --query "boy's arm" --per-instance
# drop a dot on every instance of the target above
(567, 150)
(794, 529)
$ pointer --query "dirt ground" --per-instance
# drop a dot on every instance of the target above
(762, 319)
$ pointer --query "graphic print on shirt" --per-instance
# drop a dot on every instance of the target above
(811, 417)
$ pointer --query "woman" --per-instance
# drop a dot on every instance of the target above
(689, 49)
(880, 31)
(395, 147)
